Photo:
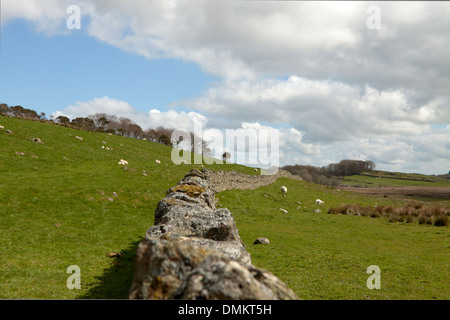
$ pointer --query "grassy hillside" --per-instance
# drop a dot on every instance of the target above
(68, 202)
(57, 207)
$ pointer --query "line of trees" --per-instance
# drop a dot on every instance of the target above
(19, 111)
(102, 122)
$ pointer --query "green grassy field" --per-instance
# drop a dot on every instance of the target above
(384, 180)
(323, 256)
(57, 209)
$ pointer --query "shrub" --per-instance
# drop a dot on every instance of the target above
(374, 214)
(441, 221)
(421, 219)
(394, 217)
(437, 215)
(409, 219)
(336, 210)
(389, 210)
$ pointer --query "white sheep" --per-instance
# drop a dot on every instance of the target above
(283, 190)
(123, 162)
(318, 201)
(2, 127)
(157, 161)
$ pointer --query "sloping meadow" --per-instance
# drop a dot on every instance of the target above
(67, 201)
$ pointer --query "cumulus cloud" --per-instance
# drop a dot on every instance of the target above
(247, 39)
(238, 40)
(97, 105)
(151, 119)
(427, 152)
(48, 16)
(325, 111)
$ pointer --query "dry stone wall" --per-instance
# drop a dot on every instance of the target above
(226, 180)
(194, 251)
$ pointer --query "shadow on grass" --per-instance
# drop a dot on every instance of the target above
(115, 283)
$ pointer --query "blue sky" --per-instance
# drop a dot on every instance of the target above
(49, 73)
(335, 80)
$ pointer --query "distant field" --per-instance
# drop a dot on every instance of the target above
(402, 175)
(413, 186)
(67, 201)
(416, 192)
(385, 181)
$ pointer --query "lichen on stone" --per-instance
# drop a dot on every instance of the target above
(190, 190)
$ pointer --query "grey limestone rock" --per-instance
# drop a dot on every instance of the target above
(261, 241)
(194, 251)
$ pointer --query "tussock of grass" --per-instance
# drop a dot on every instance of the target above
(414, 211)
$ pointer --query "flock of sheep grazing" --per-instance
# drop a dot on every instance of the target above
(125, 162)
(283, 188)
(284, 191)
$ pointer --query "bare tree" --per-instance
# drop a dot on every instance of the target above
(62, 119)
(130, 129)
(370, 165)
(83, 123)
(150, 134)
(197, 143)
(226, 156)
(4, 108)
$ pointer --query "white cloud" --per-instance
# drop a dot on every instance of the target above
(238, 40)
(152, 119)
(174, 120)
(324, 111)
(427, 153)
(48, 16)
(97, 105)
